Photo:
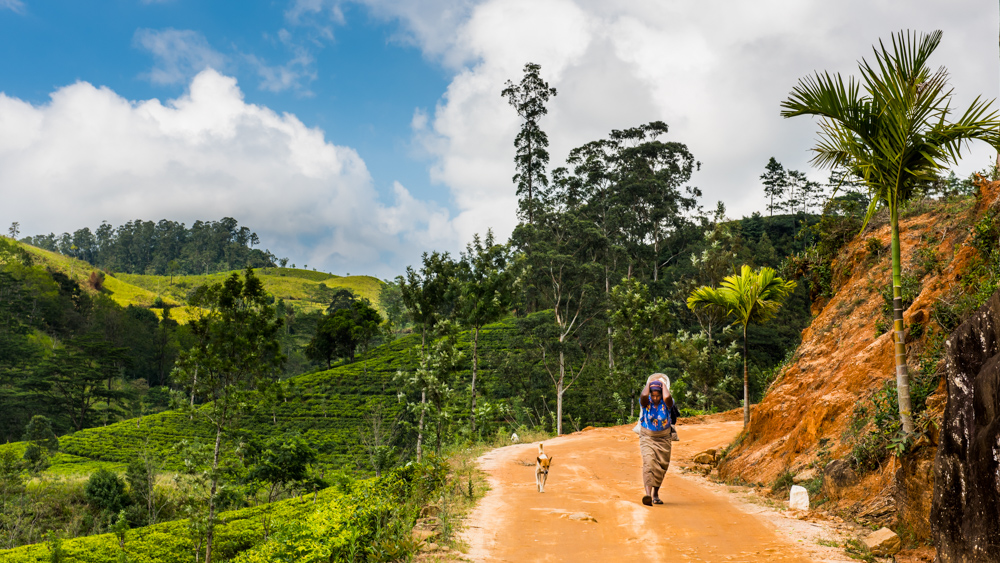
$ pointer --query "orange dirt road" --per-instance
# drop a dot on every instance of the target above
(598, 472)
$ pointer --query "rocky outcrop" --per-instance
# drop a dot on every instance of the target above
(838, 476)
(883, 543)
(965, 517)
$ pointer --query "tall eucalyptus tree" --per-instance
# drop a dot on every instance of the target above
(528, 98)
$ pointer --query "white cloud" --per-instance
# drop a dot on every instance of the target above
(16, 6)
(293, 75)
(90, 155)
(179, 54)
(715, 71)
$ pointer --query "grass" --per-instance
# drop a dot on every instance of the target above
(856, 549)
(305, 290)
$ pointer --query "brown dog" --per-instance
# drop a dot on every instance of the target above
(542, 463)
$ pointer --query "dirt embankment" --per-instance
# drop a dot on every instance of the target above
(803, 420)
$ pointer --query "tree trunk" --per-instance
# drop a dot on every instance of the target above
(420, 425)
(559, 392)
(902, 375)
(611, 348)
(194, 384)
(475, 368)
(746, 382)
(210, 534)
(423, 401)
(440, 427)
(531, 220)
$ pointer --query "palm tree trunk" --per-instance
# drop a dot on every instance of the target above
(902, 376)
(746, 382)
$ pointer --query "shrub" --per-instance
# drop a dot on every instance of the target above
(874, 247)
(927, 260)
(782, 483)
(96, 280)
(39, 432)
(874, 425)
(105, 491)
(910, 286)
(41, 442)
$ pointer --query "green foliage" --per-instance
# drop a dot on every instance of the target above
(351, 323)
(856, 549)
(927, 260)
(369, 524)
(170, 542)
(528, 98)
(166, 247)
(875, 429)
(236, 357)
(707, 372)
(892, 130)
(782, 483)
(749, 297)
(638, 324)
(486, 289)
(105, 491)
(54, 541)
(41, 441)
(911, 288)
(282, 462)
(390, 302)
(435, 380)
(775, 182)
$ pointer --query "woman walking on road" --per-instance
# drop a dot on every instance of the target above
(654, 436)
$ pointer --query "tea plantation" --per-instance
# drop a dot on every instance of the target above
(322, 527)
(327, 408)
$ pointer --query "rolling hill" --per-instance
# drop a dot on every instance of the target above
(304, 290)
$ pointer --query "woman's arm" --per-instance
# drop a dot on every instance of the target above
(644, 396)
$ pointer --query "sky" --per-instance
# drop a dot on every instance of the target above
(354, 135)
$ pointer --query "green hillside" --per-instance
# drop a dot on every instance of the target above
(304, 290)
(326, 407)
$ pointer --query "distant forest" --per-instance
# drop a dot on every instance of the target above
(163, 248)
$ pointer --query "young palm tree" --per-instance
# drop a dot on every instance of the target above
(747, 297)
(891, 130)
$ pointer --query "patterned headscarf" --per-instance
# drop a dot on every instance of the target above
(656, 386)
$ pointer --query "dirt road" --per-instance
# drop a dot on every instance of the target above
(597, 473)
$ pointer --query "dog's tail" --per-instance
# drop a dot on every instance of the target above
(540, 450)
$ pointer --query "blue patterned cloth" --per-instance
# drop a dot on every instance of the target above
(655, 417)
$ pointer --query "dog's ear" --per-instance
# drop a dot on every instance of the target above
(538, 460)
(550, 459)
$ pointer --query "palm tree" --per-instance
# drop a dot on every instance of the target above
(891, 130)
(747, 297)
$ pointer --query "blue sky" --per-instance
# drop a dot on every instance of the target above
(353, 135)
(362, 84)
